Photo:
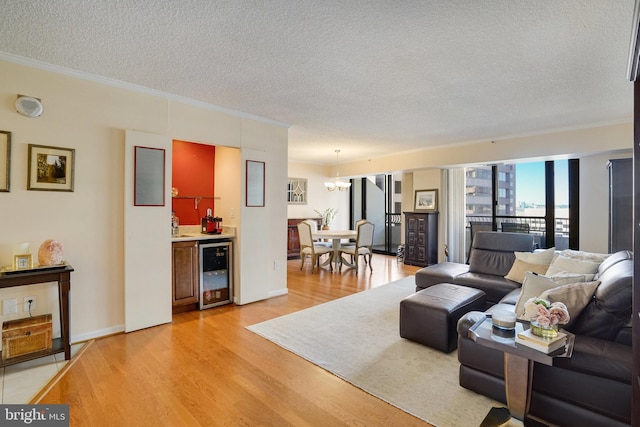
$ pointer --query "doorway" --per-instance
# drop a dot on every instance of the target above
(378, 199)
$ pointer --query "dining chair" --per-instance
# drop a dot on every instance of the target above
(352, 243)
(515, 227)
(308, 249)
(474, 227)
(363, 246)
(315, 227)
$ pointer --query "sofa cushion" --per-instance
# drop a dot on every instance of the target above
(534, 285)
(495, 287)
(575, 296)
(511, 298)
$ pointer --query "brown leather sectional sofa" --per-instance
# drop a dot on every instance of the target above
(593, 387)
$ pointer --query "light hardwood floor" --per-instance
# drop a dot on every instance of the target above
(206, 369)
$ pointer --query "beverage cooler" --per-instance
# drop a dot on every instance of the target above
(216, 284)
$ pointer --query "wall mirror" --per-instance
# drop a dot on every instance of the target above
(149, 176)
(255, 183)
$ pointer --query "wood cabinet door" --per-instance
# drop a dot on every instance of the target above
(421, 238)
(185, 272)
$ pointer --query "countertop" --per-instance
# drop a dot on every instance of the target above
(187, 233)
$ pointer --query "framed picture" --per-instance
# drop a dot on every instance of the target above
(5, 160)
(50, 168)
(148, 176)
(22, 262)
(255, 183)
(426, 200)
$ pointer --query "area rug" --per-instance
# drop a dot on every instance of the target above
(357, 338)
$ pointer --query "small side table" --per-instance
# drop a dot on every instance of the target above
(518, 361)
(60, 274)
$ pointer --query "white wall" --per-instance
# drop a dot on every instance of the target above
(594, 200)
(547, 146)
(92, 116)
(318, 196)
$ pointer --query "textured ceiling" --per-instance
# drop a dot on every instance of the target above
(365, 77)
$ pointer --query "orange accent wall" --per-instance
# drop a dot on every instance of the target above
(193, 175)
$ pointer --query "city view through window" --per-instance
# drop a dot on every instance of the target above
(520, 199)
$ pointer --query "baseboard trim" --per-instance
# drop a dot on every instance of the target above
(97, 334)
(278, 293)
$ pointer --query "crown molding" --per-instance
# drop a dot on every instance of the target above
(28, 62)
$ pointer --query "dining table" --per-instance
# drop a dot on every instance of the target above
(336, 236)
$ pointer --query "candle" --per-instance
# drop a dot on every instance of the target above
(504, 319)
(21, 248)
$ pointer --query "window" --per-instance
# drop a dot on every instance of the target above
(522, 193)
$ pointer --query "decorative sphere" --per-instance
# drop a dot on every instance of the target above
(50, 252)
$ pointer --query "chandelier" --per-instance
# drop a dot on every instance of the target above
(337, 183)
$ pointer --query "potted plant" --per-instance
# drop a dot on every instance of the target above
(327, 216)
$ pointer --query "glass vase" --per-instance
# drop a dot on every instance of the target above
(550, 331)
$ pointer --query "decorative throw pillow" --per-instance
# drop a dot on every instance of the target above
(535, 284)
(519, 269)
(538, 257)
(563, 264)
(537, 262)
(585, 256)
(575, 296)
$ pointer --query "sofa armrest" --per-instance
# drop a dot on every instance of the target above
(468, 320)
(624, 335)
(598, 357)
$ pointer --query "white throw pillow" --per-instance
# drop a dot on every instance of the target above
(539, 257)
(537, 262)
(563, 264)
(585, 256)
(535, 284)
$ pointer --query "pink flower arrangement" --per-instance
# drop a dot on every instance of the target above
(546, 313)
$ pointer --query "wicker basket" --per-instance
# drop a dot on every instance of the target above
(24, 336)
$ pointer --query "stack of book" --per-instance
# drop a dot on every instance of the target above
(545, 345)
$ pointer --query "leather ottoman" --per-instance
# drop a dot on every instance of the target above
(430, 316)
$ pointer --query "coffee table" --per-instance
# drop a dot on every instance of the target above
(518, 361)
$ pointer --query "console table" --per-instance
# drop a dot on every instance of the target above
(61, 275)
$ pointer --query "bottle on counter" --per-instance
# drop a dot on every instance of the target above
(174, 224)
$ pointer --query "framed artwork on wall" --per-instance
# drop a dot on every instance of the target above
(255, 183)
(50, 168)
(426, 200)
(5, 160)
